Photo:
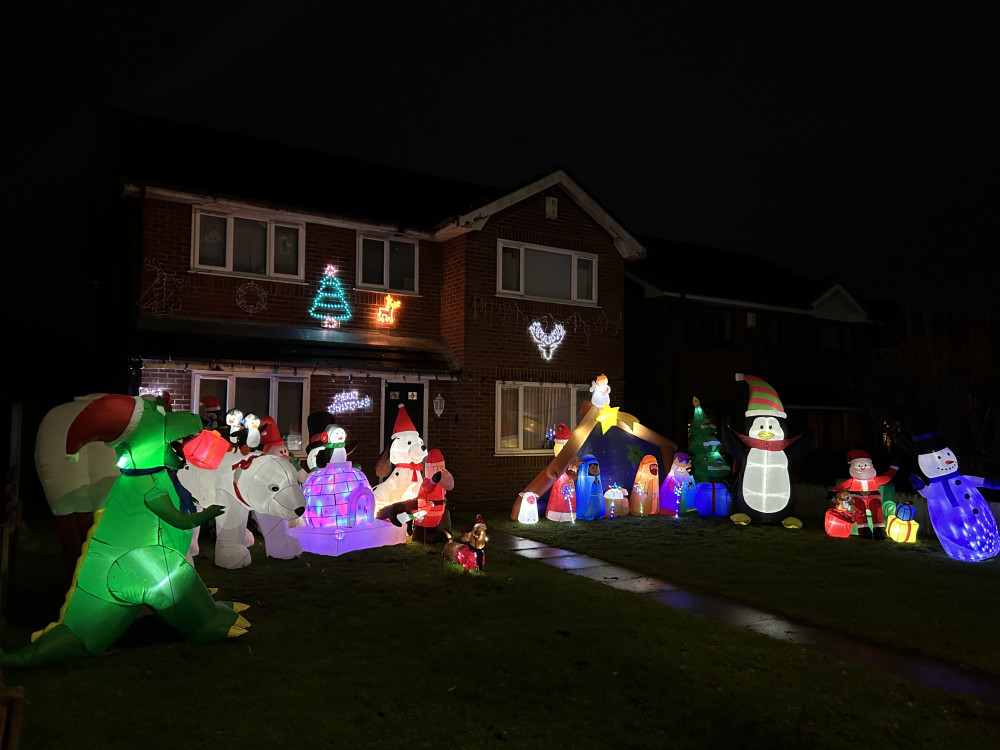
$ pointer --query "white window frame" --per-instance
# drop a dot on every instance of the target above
(198, 375)
(574, 411)
(575, 255)
(384, 286)
(273, 222)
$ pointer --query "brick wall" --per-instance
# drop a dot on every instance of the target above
(457, 301)
(497, 345)
(166, 240)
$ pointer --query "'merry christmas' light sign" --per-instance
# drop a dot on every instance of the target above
(350, 401)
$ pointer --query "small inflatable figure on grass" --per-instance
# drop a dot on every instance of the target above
(526, 508)
(432, 504)
(470, 553)
(562, 497)
(678, 483)
(865, 493)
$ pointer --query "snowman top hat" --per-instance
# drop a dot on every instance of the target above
(764, 401)
(927, 438)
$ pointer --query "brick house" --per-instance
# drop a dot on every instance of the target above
(496, 308)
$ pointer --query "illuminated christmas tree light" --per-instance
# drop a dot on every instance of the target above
(330, 304)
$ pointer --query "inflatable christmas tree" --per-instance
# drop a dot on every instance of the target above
(707, 462)
(710, 470)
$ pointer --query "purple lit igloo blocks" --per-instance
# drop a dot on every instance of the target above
(340, 513)
(341, 497)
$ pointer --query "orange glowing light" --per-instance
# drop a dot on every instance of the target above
(386, 313)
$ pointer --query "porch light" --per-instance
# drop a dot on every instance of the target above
(438, 404)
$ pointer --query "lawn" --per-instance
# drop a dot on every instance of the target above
(392, 648)
(910, 596)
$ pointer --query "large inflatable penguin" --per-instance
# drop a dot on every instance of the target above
(765, 487)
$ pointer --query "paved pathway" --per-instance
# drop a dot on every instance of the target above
(952, 678)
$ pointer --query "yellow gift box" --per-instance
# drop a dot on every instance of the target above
(901, 531)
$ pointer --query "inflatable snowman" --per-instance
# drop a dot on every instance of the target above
(962, 519)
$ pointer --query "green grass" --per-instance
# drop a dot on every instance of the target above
(392, 648)
(912, 597)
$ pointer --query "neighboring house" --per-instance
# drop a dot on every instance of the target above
(705, 314)
(287, 282)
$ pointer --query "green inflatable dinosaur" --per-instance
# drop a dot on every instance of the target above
(134, 553)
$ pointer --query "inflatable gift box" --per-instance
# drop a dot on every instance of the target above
(838, 523)
(712, 499)
(207, 450)
(901, 531)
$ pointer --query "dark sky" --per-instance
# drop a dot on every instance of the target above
(857, 142)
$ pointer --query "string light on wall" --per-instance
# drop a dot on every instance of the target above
(348, 401)
(386, 314)
(547, 341)
(330, 304)
(350, 375)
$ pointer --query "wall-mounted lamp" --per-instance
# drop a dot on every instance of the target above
(438, 404)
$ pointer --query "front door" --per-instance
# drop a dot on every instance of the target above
(412, 396)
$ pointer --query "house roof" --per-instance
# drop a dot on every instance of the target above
(626, 243)
(714, 275)
(225, 166)
(230, 166)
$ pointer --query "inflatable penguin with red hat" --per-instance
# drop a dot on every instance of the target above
(765, 487)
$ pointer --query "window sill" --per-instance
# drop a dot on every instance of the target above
(572, 303)
(380, 290)
(251, 276)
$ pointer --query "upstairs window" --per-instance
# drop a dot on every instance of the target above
(546, 273)
(248, 245)
(388, 264)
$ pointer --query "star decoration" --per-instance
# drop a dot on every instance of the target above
(608, 417)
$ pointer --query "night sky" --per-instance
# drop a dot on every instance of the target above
(852, 142)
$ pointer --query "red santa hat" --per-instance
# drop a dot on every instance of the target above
(434, 456)
(403, 423)
(562, 433)
(853, 456)
(480, 523)
(269, 433)
(109, 419)
(211, 403)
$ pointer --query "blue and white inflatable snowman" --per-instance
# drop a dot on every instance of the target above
(962, 519)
